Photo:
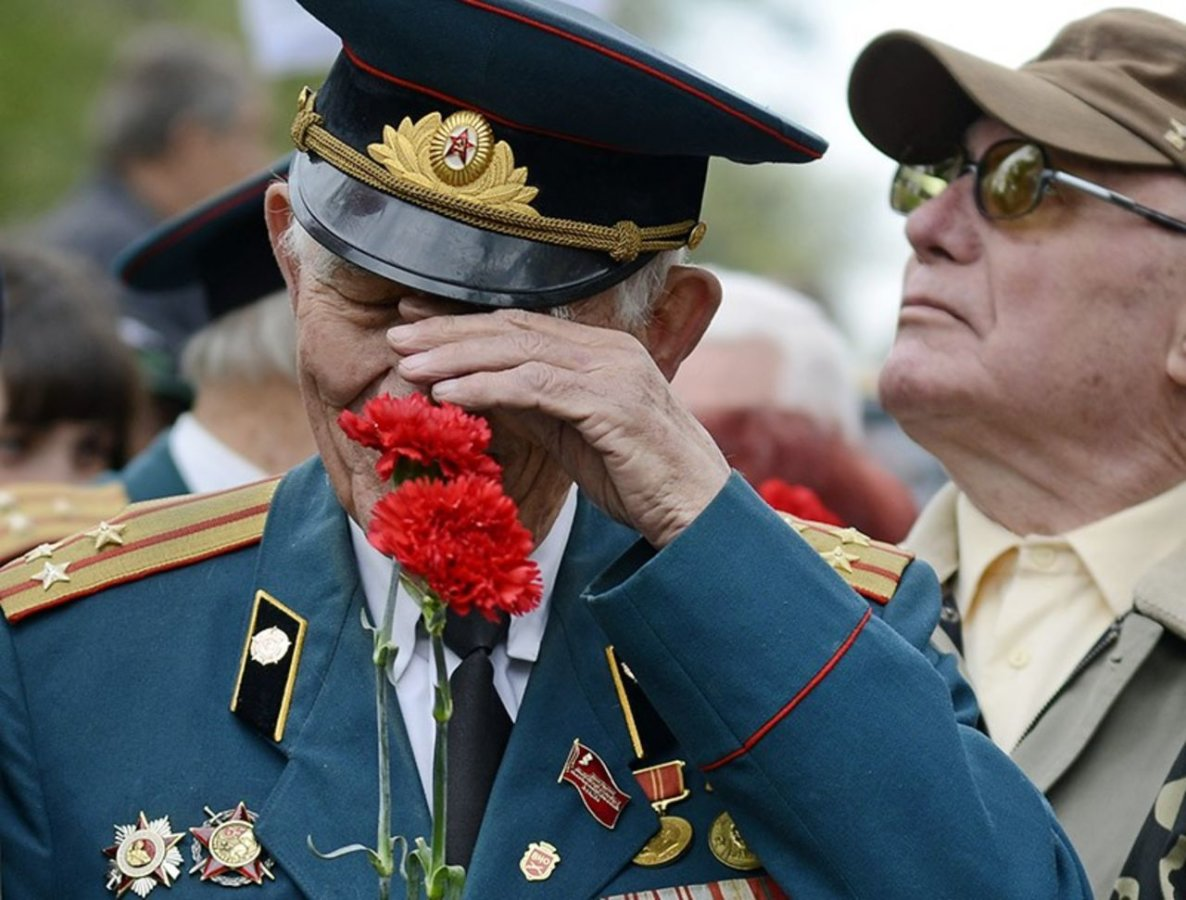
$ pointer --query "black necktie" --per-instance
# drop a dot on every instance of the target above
(478, 730)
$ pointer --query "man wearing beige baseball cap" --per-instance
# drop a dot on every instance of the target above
(1041, 356)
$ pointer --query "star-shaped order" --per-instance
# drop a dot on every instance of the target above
(51, 574)
(851, 536)
(144, 855)
(839, 560)
(107, 534)
(230, 841)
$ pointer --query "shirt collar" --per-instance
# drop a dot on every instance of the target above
(525, 633)
(1119, 549)
(205, 462)
(980, 542)
(1116, 550)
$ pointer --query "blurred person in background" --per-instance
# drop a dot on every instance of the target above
(248, 418)
(773, 382)
(1041, 356)
(181, 117)
(68, 386)
(69, 392)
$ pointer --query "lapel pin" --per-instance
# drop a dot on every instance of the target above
(539, 861)
(588, 773)
(144, 855)
(225, 849)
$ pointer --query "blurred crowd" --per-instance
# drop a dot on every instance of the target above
(185, 117)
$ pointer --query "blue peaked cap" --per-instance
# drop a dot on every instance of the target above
(221, 243)
(512, 152)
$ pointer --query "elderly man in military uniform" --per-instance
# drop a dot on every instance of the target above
(489, 207)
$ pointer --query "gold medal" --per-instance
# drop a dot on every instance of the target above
(727, 845)
(669, 843)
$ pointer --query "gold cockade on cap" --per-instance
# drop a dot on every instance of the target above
(457, 156)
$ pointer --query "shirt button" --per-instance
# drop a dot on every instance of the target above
(1019, 658)
(1043, 557)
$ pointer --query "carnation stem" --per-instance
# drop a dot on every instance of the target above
(382, 656)
(440, 760)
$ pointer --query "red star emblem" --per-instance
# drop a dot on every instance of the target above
(460, 145)
(229, 839)
(144, 855)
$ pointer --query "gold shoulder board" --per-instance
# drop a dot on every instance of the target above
(148, 537)
(873, 568)
(33, 513)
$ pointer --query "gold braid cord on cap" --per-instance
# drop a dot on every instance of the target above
(455, 168)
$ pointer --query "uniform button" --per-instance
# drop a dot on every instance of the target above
(1043, 557)
(1019, 658)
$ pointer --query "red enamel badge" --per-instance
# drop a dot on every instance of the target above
(588, 773)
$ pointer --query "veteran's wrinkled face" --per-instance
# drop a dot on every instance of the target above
(1060, 322)
(344, 360)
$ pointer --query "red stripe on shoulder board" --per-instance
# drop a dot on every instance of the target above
(653, 72)
(753, 740)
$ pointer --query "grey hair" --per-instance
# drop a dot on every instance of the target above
(635, 297)
(250, 344)
(165, 75)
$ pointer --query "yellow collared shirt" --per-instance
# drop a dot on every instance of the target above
(1032, 606)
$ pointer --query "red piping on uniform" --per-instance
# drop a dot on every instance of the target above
(753, 739)
(654, 73)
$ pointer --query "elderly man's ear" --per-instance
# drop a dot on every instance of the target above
(690, 299)
(278, 215)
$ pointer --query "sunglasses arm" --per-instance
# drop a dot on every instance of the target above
(1095, 190)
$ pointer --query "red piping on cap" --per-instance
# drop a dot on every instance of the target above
(654, 73)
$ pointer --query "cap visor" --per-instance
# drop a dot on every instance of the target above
(431, 253)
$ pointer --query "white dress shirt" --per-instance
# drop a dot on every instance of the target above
(412, 672)
(205, 462)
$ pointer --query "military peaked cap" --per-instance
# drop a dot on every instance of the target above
(222, 244)
(511, 152)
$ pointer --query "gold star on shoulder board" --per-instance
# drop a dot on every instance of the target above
(41, 551)
(838, 559)
(107, 534)
(51, 574)
(851, 536)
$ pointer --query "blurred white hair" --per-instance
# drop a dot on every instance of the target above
(817, 374)
(635, 297)
(251, 344)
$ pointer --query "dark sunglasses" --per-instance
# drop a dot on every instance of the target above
(1012, 177)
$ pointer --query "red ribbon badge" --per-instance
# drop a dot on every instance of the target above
(588, 773)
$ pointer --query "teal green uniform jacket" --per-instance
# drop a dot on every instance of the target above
(840, 743)
(153, 473)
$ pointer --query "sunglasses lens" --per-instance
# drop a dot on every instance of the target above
(1010, 179)
(915, 185)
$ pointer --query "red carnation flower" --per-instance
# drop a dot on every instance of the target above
(797, 500)
(464, 540)
(413, 428)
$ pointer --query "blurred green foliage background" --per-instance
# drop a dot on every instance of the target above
(54, 56)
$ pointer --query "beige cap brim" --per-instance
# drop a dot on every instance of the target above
(914, 97)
